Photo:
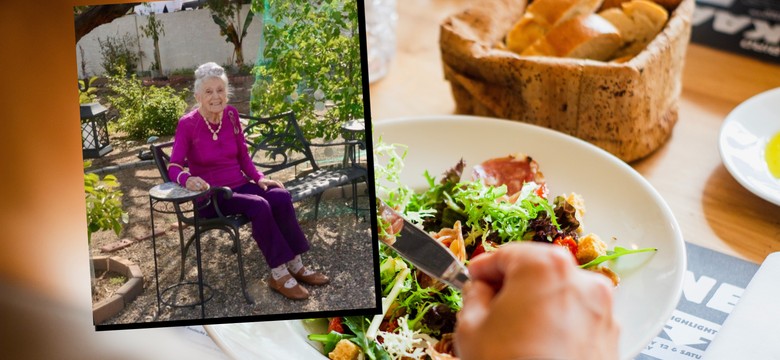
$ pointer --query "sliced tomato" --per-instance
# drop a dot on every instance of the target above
(336, 325)
(481, 248)
(392, 325)
(567, 242)
(542, 191)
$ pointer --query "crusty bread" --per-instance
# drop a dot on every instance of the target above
(525, 32)
(638, 21)
(608, 4)
(541, 16)
(584, 37)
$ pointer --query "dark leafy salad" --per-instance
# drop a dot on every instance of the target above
(507, 200)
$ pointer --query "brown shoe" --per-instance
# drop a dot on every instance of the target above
(311, 279)
(296, 292)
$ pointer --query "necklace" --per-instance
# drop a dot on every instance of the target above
(213, 132)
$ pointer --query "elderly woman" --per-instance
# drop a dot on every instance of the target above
(210, 141)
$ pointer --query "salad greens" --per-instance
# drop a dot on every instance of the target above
(330, 339)
(485, 214)
(418, 310)
(359, 325)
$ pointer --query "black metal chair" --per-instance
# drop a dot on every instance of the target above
(230, 224)
(279, 137)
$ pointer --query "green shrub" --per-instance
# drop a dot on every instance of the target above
(117, 280)
(87, 91)
(182, 72)
(104, 203)
(145, 110)
(119, 53)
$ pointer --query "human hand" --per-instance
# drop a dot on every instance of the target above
(195, 183)
(266, 183)
(530, 301)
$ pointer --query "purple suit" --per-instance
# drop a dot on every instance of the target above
(226, 162)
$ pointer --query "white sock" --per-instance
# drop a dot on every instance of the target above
(296, 264)
(279, 272)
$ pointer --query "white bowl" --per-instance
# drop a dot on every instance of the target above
(620, 203)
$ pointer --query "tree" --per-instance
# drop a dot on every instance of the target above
(227, 15)
(90, 17)
(310, 64)
(154, 29)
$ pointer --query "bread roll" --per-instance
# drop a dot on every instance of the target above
(608, 4)
(584, 37)
(543, 15)
(638, 21)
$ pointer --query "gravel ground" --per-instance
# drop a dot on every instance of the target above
(341, 247)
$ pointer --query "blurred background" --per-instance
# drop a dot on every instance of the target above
(44, 288)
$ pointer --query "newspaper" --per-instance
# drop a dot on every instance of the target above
(713, 284)
(747, 27)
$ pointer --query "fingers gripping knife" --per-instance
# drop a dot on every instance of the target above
(419, 248)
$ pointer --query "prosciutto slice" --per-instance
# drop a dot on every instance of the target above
(512, 171)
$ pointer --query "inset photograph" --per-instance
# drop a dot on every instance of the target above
(226, 172)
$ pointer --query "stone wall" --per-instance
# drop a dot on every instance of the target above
(191, 38)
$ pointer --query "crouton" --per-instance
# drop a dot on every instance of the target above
(590, 247)
(345, 350)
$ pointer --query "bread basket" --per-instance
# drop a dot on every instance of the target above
(628, 109)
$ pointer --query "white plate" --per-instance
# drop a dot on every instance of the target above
(620, 203)
(743, 138)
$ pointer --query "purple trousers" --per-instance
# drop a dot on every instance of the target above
(275, 227)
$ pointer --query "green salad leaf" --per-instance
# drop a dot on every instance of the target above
(359, 325)
(330, 340)
(614, 254)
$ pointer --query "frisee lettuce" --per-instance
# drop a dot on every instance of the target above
(487, 212)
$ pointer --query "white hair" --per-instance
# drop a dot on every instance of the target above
(210, 70)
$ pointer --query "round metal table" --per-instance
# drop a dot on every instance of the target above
(352, 130)
(171, 198)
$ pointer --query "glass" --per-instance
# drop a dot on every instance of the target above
(381, 19)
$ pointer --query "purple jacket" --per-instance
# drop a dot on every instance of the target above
(221, 162)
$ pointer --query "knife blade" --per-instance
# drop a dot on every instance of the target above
(422, 250)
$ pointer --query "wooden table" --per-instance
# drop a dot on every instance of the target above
(712, 208)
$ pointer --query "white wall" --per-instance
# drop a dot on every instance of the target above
(191, 38)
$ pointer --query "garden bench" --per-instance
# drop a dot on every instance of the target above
(277, 143)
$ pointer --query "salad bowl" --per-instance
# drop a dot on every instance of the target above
(621, 207)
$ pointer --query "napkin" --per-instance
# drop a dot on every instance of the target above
(752, 330)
